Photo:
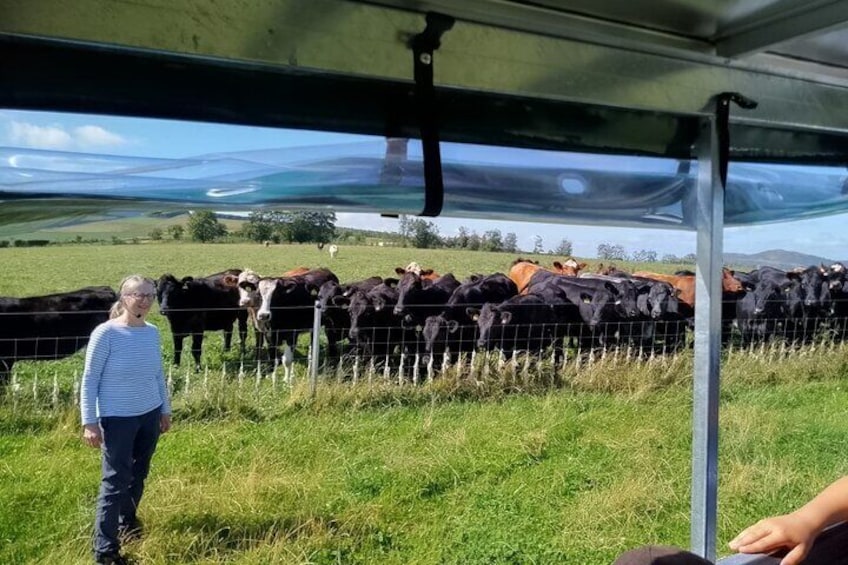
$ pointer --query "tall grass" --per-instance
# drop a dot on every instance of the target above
(458, 470)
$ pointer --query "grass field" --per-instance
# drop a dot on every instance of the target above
(437, 473)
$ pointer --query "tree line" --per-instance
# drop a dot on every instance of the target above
(319, 227)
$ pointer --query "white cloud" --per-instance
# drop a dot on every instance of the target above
(25, 134)
(96, 136)
(40, 137)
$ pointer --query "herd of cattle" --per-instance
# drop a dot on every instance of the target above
(531, 308)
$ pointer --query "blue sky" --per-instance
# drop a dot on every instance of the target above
(172, 139)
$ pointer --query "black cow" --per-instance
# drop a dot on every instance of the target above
(525, 322)
(419, 297)
(454, 329)
(50, 327)
(601, 304)
(374, 329)
(762, 311)
(333, 299)
(197, 305)
(659, 325)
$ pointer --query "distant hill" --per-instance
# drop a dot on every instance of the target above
(779, 258)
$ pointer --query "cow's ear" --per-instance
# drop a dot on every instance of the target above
(506, 317)
(612, 288)
(581, 266)
(453, 325)
(558, 265)
(391, 282)
(426, 272)
(400, 271)
(231, 280)
(473, 313)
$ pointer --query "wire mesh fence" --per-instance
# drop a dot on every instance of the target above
(409, 351)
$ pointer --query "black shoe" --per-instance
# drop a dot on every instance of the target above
(111, 559)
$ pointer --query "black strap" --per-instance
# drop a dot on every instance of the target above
(723, 127)
(423, 46)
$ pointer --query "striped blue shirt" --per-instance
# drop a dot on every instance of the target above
(123, 372)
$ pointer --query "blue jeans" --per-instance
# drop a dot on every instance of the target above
(128, 446)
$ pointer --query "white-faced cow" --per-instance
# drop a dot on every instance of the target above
(333, 250)
(287, 307)
(50, 327)
(194, 306)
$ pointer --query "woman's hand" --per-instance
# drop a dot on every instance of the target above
(790, 531)
(91, 435)
(164, 423)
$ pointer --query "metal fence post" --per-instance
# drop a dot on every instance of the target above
(709, 218)
(316, 328)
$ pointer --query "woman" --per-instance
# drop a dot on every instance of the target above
(124, 407)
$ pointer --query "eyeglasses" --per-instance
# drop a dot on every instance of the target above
(142, 295)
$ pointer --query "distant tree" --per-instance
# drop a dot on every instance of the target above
(261, 225)
(671, 258)
(461, 240)
(474, 242)
(537, 244)
(510, 243)
(492, 241)
(644, 256)
(156, 234)
(611, 252)
(690, 258)
(565, 247)
(176, 231)
(423, 234)
(203, 226)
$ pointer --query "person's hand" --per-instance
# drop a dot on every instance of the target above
(91, 435)
(790, 531)
(164, 423)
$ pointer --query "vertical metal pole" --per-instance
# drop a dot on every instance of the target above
(316, 329)
(709, 222)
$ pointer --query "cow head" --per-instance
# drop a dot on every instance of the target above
(266, 289)
(168, 291)
(409, 290)
(247, 283)
(571, 268)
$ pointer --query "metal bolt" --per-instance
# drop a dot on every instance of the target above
(425, 58)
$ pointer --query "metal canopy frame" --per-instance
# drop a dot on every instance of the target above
(602, 76)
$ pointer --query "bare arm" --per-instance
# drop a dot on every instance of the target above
(796, 531)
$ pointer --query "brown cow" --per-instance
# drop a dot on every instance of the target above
(571, 268)
(523, 269)
(685, 284)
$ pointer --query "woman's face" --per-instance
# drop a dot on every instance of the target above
(138, 299)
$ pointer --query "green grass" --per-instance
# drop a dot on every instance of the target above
(458, 471)
(566, 476)
(100, 228)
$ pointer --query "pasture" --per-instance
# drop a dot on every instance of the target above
(454, 471)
